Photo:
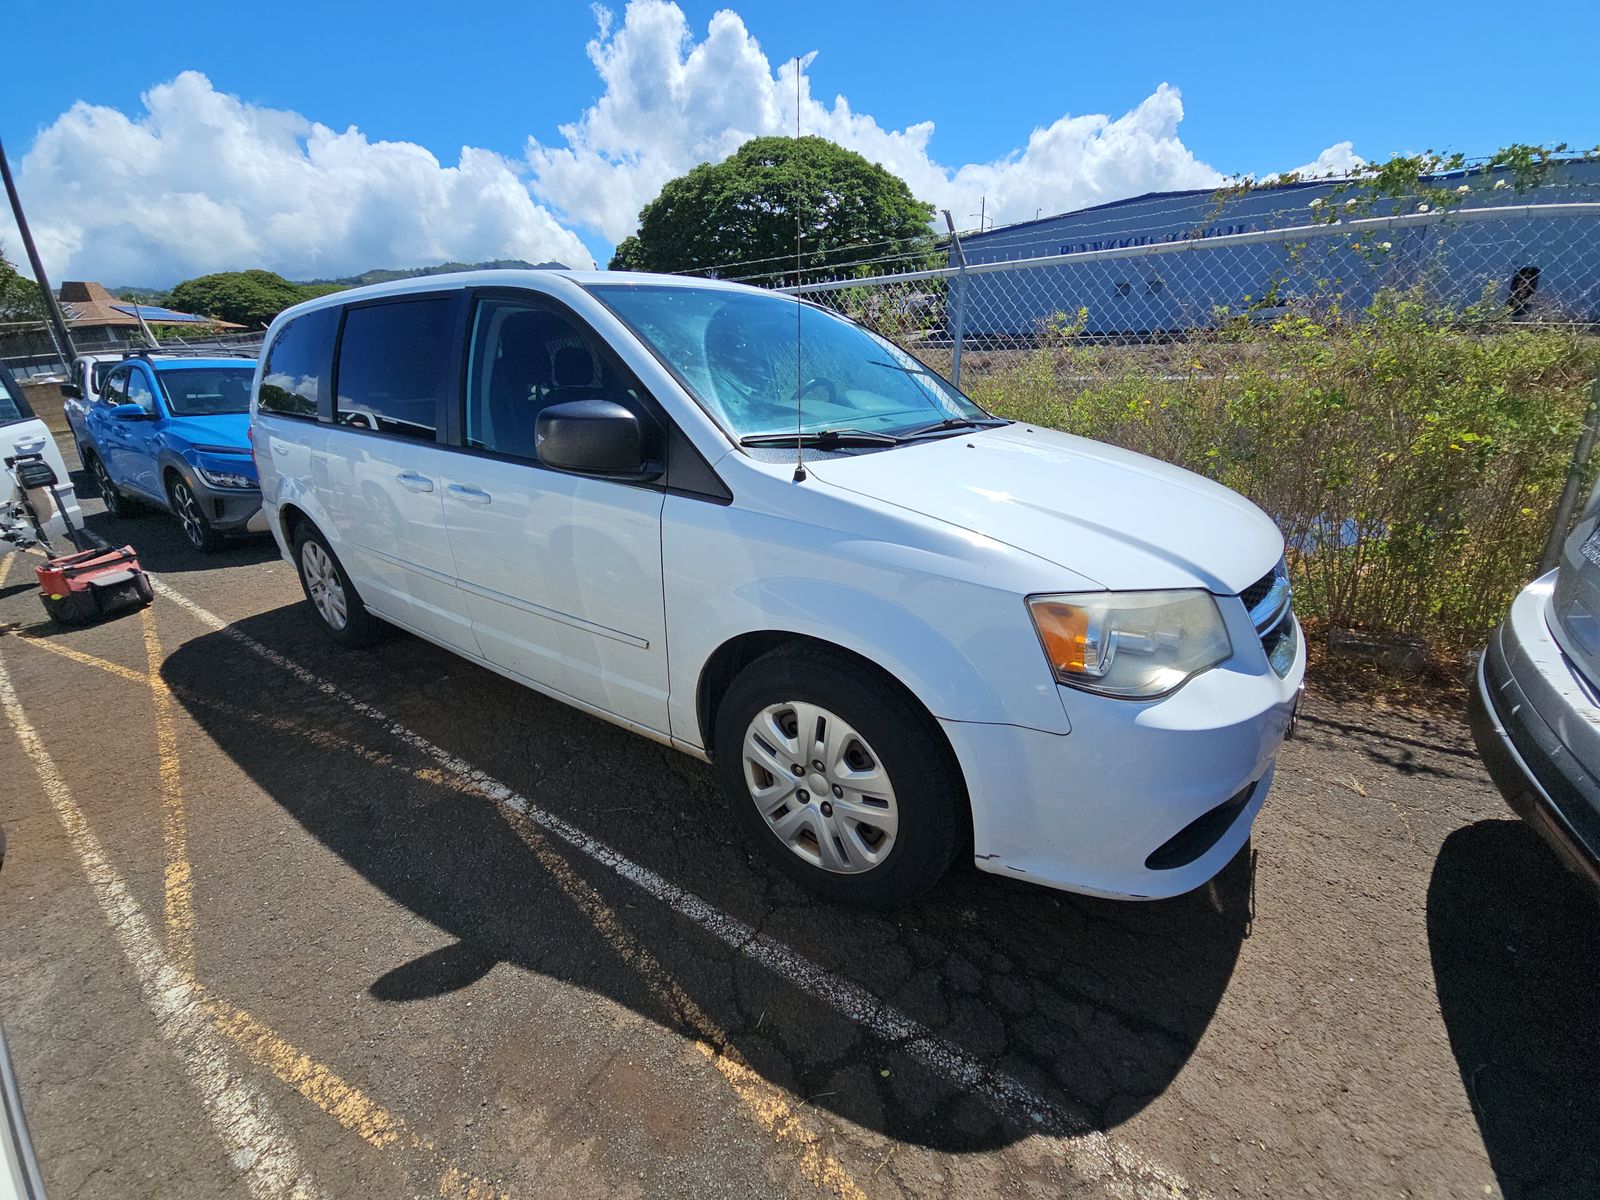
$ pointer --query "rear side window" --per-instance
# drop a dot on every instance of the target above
(298, 365)
(13, 407)
(394, 366)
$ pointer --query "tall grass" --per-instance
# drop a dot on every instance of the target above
(1413, 462)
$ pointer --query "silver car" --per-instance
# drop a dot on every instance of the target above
(1536, 704)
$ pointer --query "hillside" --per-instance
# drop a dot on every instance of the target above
(319, 287)
(388, 274)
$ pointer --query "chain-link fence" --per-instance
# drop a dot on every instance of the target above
(1401, 392)
(29, 352)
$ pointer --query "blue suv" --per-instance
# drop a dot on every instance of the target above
(174, 433)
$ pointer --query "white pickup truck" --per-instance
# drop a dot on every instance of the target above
(80, 390)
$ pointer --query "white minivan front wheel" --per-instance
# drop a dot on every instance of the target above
(844, 782)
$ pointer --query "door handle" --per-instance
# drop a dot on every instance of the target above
(413, 482)
(465, 491)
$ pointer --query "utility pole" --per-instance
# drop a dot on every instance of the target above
(958, 301)
(58, 326)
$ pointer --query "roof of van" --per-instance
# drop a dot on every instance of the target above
(534, 280)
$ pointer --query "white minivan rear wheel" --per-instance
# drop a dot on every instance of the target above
(333, 598)
(843, 781)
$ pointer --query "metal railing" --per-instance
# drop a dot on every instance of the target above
(40, 364)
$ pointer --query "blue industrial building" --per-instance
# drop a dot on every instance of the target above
(1168, 262)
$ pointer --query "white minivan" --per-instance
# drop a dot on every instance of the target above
(902, 629)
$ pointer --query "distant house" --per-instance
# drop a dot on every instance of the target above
(97, 318)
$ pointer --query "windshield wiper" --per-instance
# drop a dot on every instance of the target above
(947, 425)
(822, 438)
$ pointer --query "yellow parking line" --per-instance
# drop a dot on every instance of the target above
(179, 879)
(765, 1102)
(258, 1142)
(78, 656)
(344, 1102)
(341, 1100)
(768, 1105)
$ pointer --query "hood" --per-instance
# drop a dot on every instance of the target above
(1118, 518)
(226, 429)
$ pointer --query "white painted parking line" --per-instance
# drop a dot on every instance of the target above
(258, 1143)
(1093, 1153)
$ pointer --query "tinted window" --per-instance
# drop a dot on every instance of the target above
(394, 362)
(139, 391)
(298, 365)
(12, 405)
(525, 357)
(116, 388)
(207, 391)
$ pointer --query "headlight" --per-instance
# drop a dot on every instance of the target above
(1135, 645)
(226, 479)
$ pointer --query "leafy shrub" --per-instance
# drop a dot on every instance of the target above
(1413, 461)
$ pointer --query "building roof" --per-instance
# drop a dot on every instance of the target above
(88, 303)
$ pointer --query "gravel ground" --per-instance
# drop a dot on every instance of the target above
(256, 935)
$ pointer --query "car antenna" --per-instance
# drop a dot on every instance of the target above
(799, 305)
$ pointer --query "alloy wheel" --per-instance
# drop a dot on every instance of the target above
(108, 491)
(323, 586)
(189, 514)
(821, 788)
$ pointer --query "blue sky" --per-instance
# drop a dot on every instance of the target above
(1256, 95)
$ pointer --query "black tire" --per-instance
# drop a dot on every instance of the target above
(360, 627)
(191, 514)
(929, 792)
(117, 505)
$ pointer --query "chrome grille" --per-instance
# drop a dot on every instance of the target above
(1270, 601)
(1257, 591)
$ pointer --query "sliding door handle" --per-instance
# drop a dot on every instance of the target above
(468, 493)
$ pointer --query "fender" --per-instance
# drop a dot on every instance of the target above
(952, 672)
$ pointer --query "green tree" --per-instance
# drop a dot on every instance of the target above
(746, 209)
(249, 298)
(19, 296)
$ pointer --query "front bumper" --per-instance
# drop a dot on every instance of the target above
(230, 510)
(1141, 800)
(1525, 691)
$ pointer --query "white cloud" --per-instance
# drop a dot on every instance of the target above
(202, 181)
(671, 102)
(1337, 160)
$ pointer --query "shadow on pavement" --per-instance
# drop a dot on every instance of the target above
(1094, 1005)
(155, 535)
(1514, 940)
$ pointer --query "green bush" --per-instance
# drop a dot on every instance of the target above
(1412, 461)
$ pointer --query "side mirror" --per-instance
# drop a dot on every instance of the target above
(72, 391)
(593, 437)
(131, 412)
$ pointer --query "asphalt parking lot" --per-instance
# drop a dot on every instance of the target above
(278, 918)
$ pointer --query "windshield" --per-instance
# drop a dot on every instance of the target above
(735, 352)
(208, 391)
